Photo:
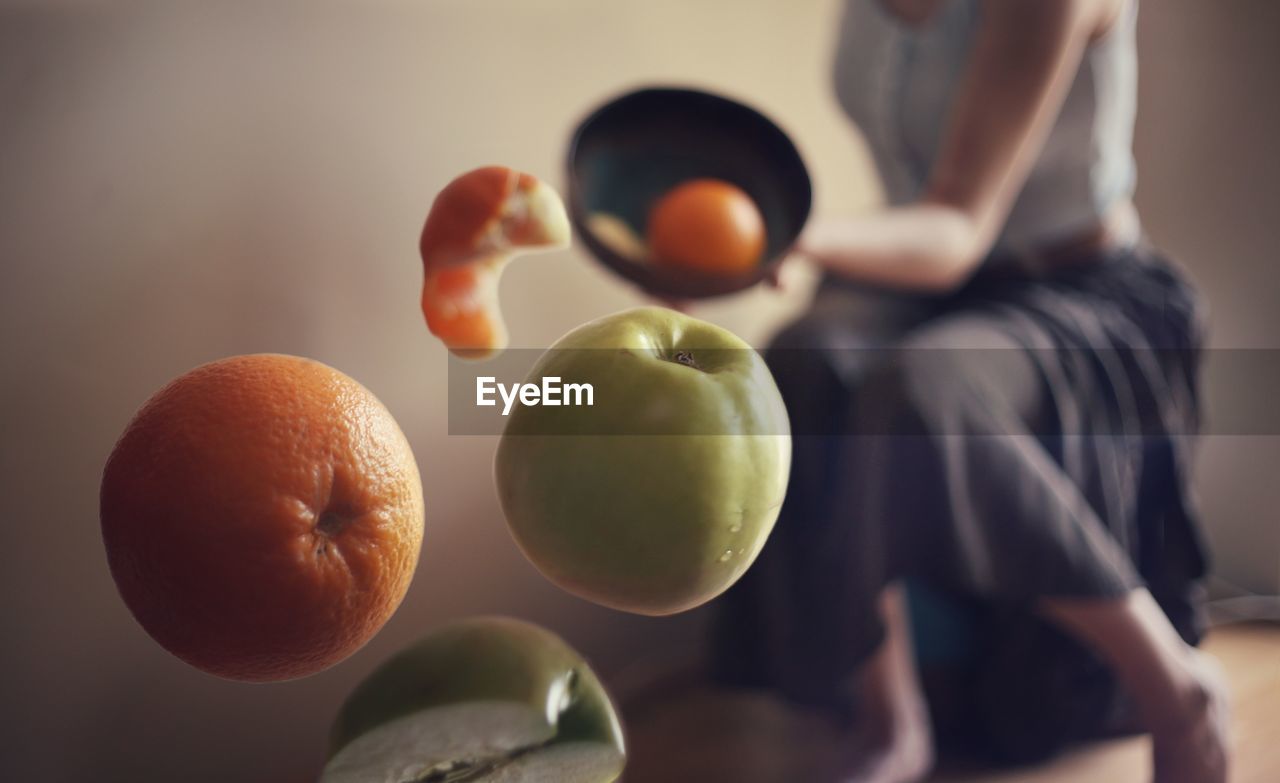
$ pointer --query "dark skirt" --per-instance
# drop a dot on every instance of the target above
(1023, 438)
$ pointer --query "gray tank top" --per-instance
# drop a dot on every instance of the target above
(897, 83)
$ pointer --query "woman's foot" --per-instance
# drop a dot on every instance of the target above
(1180, 692)
(891, 740)
(892, 750)
(1194, 747)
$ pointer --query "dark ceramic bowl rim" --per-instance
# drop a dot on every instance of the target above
(656, 281)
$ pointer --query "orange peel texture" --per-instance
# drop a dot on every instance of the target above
(479, 222)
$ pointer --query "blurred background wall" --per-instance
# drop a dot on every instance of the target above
(180, 182)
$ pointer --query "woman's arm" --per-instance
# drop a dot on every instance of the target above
(1024, 60)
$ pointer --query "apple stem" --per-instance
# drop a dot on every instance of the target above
(686, 358)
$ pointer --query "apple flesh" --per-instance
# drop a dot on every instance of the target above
(658, 496)
(484, 700)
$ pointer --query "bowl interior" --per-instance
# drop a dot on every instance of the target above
(635, 148)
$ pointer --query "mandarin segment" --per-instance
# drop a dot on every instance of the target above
(463, 214)
(458, 303)
(479, 222)
(262, 516)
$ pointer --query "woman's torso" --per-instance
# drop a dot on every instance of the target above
(897, 81)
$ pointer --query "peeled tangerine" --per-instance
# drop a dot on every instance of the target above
(478, 223)
(658, 496)
(484, 700)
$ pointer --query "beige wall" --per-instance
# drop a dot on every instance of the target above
(1209, 189)
(179, 185)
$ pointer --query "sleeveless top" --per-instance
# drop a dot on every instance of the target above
(897, 83)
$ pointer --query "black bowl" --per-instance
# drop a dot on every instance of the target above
(635, 148)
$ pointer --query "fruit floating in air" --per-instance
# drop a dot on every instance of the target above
(659, 495)
(478, 223)
(262, 516)
(483, 700)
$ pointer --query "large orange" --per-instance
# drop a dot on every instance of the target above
(707, 226)
(262, 516)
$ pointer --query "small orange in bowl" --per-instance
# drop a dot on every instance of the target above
(707, 227)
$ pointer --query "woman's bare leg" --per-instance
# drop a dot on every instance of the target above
(891, 740)
(1179, 691)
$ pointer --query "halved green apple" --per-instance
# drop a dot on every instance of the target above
(483, 700)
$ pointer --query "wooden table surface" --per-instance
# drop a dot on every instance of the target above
(708, 736)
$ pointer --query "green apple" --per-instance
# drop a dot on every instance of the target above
(659, 495)
(483, 700)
